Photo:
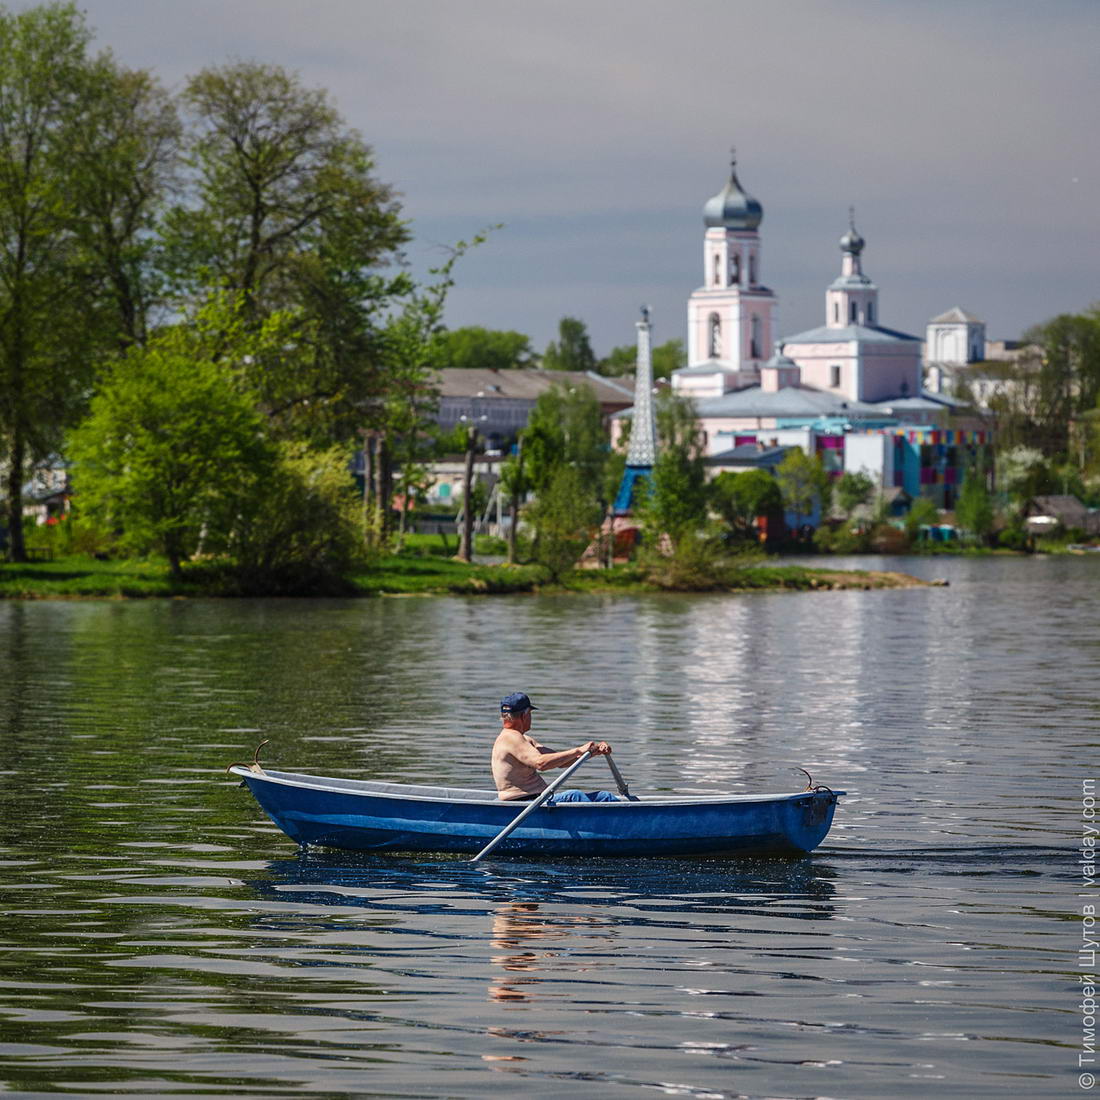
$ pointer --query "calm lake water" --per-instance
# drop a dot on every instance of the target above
(158, 937)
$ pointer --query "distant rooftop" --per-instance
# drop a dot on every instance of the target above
(864, 334)
(787, 402)
(527, 385)
(955, 315)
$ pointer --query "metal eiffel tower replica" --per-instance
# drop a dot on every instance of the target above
(642, 452)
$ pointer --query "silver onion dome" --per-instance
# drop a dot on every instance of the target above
(852, 241)
(732, 208)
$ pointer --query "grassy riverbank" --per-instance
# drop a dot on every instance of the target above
(407, 574)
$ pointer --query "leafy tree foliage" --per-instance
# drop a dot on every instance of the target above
(572, 350)
(666, 358)
(564, 515)
(173, 446)
(47, 329)
(296, 531)
(487, 349)
(678, 497)
(1069, 377)
(565, 428)
(124, 163)
(923, 513)
(1023, 472)
(851, 490)
(974, 508)
(803, 483)
(285, 210)
(740, 498)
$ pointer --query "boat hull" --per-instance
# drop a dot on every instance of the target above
(310, 811)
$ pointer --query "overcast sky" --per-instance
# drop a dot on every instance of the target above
(965, 133)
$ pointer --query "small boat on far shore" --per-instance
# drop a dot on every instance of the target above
(372, 815)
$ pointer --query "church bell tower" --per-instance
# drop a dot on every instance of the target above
(731, 321)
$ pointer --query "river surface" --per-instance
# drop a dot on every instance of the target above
(159, 937)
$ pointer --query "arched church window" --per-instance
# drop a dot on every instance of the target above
(852, 312)
(717, 270)
(752, 269)
(714, 340)
(870, 313)
(755, 345)
(735, 269)
(834, 376)
(836, 312)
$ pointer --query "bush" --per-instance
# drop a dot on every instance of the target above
(843, 539)
(696, 563)
(298, 532)
(1014, 537)
(563, 515)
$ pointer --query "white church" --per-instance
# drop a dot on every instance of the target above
(849, 390)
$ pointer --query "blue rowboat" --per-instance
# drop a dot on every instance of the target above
(368, 815)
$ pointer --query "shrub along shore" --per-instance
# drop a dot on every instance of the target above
(405, 574)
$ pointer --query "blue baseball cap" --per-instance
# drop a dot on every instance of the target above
(516, 703)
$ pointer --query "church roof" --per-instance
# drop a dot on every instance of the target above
(696, 370)
(788, 401)
(857, 280)
(922, 402)
(748, 454)
(865, 334)
(956, 315)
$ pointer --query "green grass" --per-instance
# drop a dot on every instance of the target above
(409, 573)
(78, 576)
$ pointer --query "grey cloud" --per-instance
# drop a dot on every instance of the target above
(596, 130)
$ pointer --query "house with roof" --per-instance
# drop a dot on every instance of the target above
(1061, 510)
(499, 402)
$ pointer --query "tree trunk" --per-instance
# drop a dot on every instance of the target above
(17, 550)
(513, 528)
(368, 488)
(385, 487)
(465, 547)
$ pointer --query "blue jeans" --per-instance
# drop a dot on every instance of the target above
(581, 796)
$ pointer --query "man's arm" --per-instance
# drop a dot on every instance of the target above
(528, 751)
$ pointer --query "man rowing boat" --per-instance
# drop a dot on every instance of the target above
(518, 757)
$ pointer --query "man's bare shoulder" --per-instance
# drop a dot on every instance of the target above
(509, 739)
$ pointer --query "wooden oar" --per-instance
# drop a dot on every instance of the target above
(530, 809)
(624, 790)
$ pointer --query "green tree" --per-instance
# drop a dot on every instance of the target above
(402, 417)
(564, 515)
(666, 358)
(678, 498)
(124, 162)
(851, 490)
(565, 428)
(923, 513)
(286, 211)
(974, 508)
(1069, 378)
(1023, 472)
(172, 448)
(46, 329)
(295, 531)
(740, 498)
(572, 350)
(803, 483)
(488, 349)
